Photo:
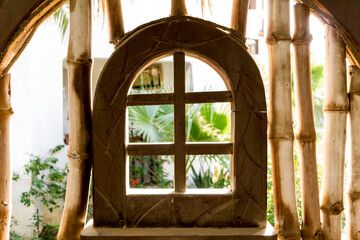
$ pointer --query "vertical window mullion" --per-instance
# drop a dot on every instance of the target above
(179, 122)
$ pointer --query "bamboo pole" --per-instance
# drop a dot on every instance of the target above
(79, 64)
(178, 7)
(335, 112)
(353, 188)
(239, 15)
(115, 20)
(281, 136)
(5, 169)
(306, 134)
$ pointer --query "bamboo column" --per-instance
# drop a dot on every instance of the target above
(306, 134)
(5, 170)
(239, 15)
(281, 136)
(335, 111)
(178, 7)
(353, 188)
(115, 20)
(79, 64)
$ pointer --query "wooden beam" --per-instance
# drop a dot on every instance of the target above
(141, 149)
(150, 99)
(208, 97)
(209, 148)
(179, 121)
(305, 133)
(168, 98)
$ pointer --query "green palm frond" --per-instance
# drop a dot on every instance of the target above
(143, 120)
(61, 19)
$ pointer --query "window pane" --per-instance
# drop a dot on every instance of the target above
(151, 123)
(159, 77)
(208, 171)
(151, 172)
(208, 122)
(203, 78)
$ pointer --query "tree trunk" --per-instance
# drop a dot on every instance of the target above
(79, 64)
(281, 135)
(178, 7)
(353, 188)
(239, 15)
(115, 20)
(335, 111)
(5, 170)
(306, 134)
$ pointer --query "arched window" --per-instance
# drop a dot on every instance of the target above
(245, 203)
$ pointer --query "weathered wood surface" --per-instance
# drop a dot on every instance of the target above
(179, 122)
(353, 187)
(267, 233)
(281, 136)
(5, 166)
(335, 113)
(79, 153)
(168, 98)
(305, 132)
(198, 148)
(220, 49)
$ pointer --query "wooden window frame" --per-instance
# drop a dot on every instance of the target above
(245, 203)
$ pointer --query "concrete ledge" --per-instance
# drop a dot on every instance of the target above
(91, 233)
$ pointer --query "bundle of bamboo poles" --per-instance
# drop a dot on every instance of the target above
(79, 64)
(5, 170)
(281, 135)
(335, 112)
(306, 134)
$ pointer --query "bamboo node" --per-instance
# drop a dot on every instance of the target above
(76, 156)
(353, 195)
(282, 235)
(319, 235)
(333, 209)
(303, 38)
(88, 61)
(272, 39)
(334, 108)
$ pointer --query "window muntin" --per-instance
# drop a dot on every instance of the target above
(182, 146)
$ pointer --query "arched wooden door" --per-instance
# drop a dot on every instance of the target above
(245, 203)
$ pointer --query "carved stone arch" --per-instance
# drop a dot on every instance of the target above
(245, 204)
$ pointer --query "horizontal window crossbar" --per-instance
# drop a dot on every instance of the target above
(168, 98)
(141, 149)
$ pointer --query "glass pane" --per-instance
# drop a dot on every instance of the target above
(151, 172)
(151, 123)
(208, 122)
(208, 171)
(203, 78)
